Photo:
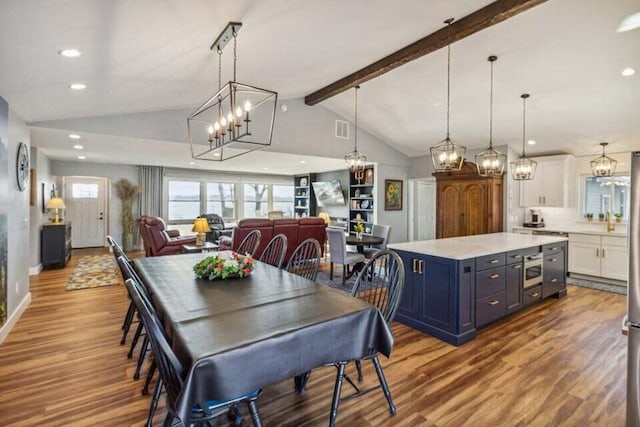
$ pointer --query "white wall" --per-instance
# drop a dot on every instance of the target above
(398, 220)
(41, 164)
(113, 172)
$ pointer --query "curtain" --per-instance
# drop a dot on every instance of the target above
(151, 197)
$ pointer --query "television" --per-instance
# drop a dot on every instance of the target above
(329, 193)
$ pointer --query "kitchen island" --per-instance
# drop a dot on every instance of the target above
(455, 286)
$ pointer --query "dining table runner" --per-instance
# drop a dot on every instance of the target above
(237, 335)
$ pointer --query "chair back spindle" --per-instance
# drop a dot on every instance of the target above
(275, 251)
(250, 243)
(305, 261)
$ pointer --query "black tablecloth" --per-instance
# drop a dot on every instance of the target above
(235, 336)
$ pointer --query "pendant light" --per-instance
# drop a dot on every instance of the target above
(490, 162)
(447, 155)
(603, 165)
(355, 161)
(524, 169)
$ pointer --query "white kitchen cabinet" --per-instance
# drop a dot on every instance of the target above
(553, 184)
(599, 256)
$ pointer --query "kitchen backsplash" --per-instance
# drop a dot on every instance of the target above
(567, 218)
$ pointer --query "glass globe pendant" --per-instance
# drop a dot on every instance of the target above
(523, 169)
(490, 162)
(355, 161)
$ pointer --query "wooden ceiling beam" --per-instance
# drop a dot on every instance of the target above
(489, 15)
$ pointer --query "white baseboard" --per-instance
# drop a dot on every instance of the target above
(34, 271)
(13, 319)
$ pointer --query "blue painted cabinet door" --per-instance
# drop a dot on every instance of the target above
(436, 292)
(406, 306)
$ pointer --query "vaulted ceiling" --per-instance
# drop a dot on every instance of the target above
(150, 55)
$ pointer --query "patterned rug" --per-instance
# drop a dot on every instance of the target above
(323, 278)
(93, 271)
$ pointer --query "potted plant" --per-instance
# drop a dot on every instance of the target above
(589, 216)
(618, 216)
(127, 192)
(601, 217)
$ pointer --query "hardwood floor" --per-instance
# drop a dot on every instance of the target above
(562, 362)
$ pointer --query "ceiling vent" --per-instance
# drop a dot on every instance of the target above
(342, 129)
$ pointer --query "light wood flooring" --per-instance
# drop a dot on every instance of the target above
(560, 363)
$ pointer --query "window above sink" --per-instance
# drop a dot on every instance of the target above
(605, 194)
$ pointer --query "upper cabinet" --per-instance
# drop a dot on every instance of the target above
(553, 185)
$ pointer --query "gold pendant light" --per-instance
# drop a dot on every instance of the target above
(490, 162)
(524, 169)
(355, 161)
(603, 165)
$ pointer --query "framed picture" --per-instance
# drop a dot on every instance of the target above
(33, 188)
(392, 194)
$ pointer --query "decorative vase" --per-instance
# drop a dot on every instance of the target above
(127, 242)
(358, 236)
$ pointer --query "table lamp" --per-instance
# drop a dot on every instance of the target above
(56, 203)
(201, 226)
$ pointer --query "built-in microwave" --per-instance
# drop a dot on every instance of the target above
(532, 270)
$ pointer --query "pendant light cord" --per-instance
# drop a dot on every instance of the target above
(524, 122)
(491, 108)
(356, 122)
(235, 53)
(219, 69)
(449, 21)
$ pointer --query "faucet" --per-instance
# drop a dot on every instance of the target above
(610, 226)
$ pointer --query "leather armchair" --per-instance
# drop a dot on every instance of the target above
(160, 241)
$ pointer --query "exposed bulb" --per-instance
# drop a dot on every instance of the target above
(247, 106)
(230, 117)
(216, 126)
(210, 130)
(223, 121)
(239, 112)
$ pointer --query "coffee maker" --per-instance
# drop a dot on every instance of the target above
(535, 219)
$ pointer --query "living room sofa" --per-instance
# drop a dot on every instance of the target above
(296, 230)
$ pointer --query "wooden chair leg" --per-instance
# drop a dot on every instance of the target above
(147, 382)
(331, 271)
(344, 273)
(384, 385)
(255, 416)
(359, 369)
(135, 340)
(336, 394)
(154, 403)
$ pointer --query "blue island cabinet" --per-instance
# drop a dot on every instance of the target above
(441, 303)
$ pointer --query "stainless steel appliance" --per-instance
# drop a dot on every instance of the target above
(535, 219)
(633, 298)
(532, 270)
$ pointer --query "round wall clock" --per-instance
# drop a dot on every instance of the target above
(22, 166)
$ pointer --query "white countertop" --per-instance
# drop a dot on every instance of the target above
(621, 230)
(475, 246)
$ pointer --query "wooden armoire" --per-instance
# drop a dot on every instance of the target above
(467, 203)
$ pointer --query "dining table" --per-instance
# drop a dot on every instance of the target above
(362, 241)
(237, 335)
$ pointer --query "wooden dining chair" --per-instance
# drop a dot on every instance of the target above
(380, 283)
(131, 311)
(172, 373)
(250, 243)
(305, 260)
(275, 251)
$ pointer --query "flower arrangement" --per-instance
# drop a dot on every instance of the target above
(214, 267)
(359, 227)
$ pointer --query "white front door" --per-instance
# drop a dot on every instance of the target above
(425, 211)
(87, 210)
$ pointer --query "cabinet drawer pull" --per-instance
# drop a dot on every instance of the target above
(554, 280)
(553, 259)
(493, 302)
(535, 295)
(420, 266)
(597, 252)
(494, 261)
(517, 266)
(494, 276)
(602, 252)
(415, 269)
(554, 249)
(517, 256)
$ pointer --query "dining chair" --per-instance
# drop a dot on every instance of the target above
(380, 284)
(250, 243)
(275, 251)
(378, 231)
(131, 311)
(338, 252)
(305, 260)
(172, 372)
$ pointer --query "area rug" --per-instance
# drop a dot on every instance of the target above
(323, 278)
(93, 271)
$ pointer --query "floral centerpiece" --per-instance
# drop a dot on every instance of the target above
(214, 267)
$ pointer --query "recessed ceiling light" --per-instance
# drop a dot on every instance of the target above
(69, 53)
(78, 147)
(266, 169)
(303, 162)
(629, 23)
(531, 142)
(77, 86)
(74, 136)
(82, 157)
(628, 72)
(192, 163)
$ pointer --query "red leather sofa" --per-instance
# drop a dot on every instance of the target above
(160, 241)
(296, 230)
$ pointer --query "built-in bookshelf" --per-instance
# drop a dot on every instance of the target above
(361, 199)
(304, 198)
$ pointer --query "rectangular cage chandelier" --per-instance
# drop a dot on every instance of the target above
(237, 119)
